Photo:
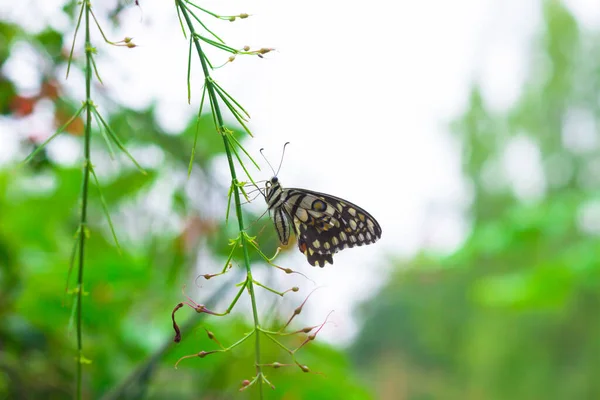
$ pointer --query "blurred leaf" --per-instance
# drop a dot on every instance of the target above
(8, 33)
(127, 185)
(7, 94)
(52, 41)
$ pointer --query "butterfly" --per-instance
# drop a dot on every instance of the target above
(323, 224)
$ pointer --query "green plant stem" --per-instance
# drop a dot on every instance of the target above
(84, 196)
(236, 193)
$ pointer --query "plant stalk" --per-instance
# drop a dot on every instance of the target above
(236, 193)
(84, 196)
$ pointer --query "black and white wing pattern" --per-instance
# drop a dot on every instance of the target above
(323, 224)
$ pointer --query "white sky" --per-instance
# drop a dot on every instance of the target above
(363, 91)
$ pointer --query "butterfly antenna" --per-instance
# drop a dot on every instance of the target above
(263, 154)
(282, 154)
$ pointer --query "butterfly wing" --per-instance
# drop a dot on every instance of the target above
(326, 224)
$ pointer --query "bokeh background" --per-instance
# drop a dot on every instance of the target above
(468, 128)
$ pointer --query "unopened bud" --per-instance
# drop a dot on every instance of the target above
(200, 309)
(246, 48)
(231, 59)
(243, 16)
(295, 289)
(304, 368)
(277, 365)
(131, 45)
(232, 18)
(127, 39)
(265, 50)
(203, 354)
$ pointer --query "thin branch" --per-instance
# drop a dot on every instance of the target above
(84, 198)
(236, 193)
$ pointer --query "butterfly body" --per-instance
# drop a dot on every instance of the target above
(323, 224)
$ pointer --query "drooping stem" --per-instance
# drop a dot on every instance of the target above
(236, 191)
(84, 196)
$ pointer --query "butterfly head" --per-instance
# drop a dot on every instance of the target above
(272, 188)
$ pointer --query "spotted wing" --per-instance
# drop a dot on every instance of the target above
(326, 224)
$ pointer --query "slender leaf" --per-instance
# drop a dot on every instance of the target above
(74, 37)
(58, 132)
(105, 207)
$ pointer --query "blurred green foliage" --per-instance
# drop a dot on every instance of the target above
(515, 312)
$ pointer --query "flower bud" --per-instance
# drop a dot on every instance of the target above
(304, 368)
(265, 50)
